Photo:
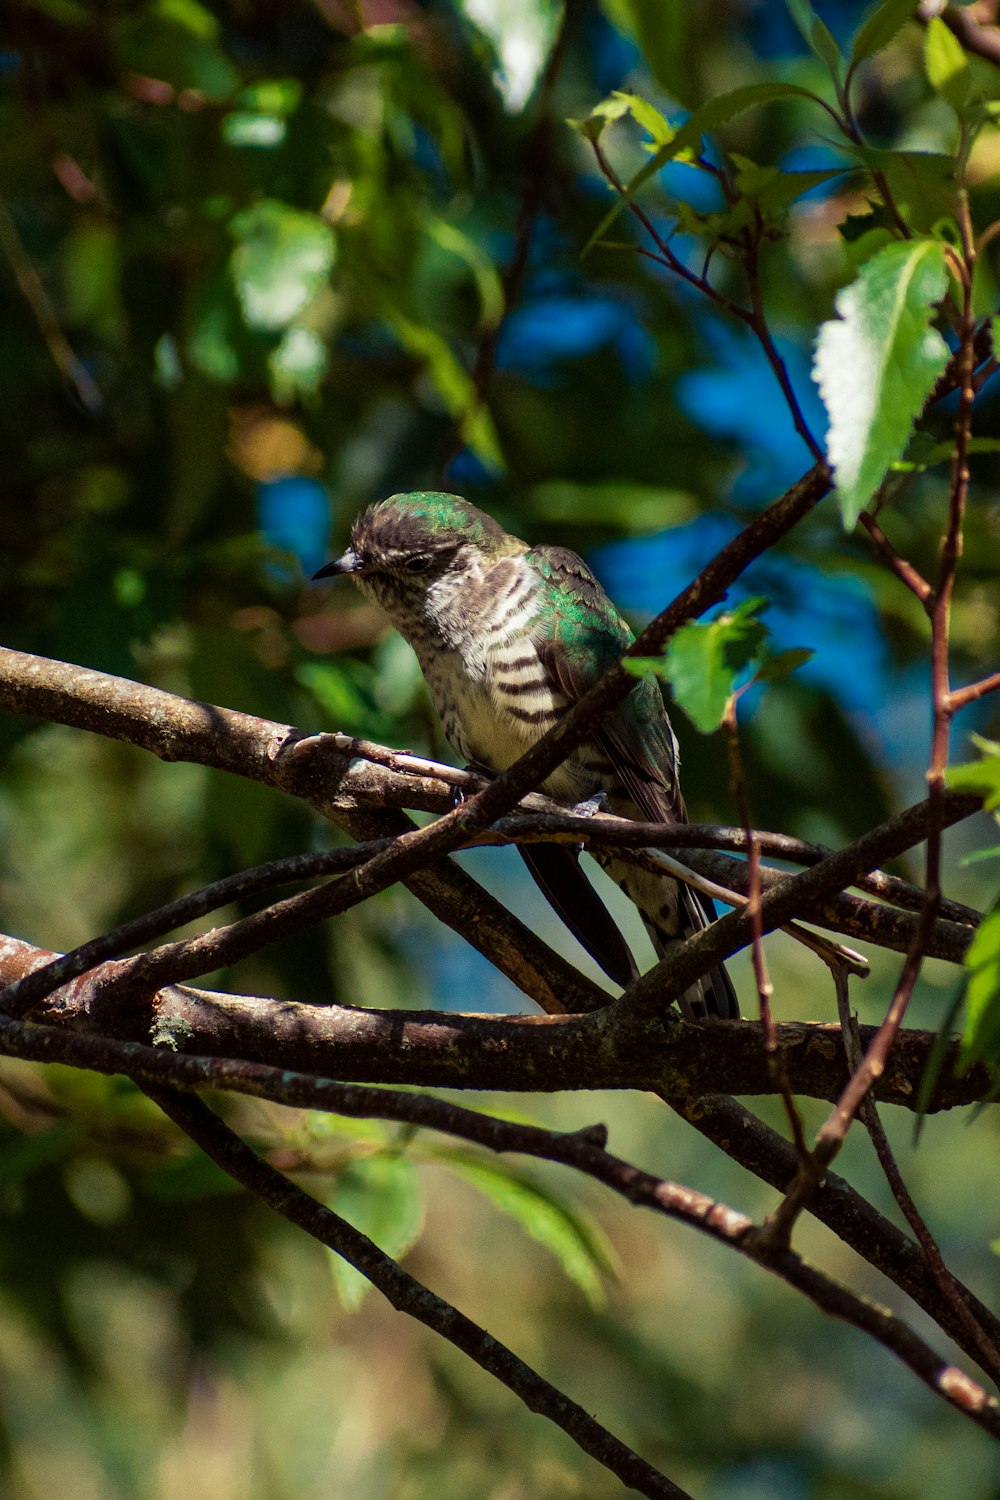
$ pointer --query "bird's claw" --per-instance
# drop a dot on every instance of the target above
(599, 802)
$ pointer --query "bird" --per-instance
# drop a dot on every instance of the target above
(508, 637)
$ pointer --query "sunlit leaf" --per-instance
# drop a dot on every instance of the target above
(649, 117)
(710, 116)
(704, 660)
(297, 365)
(522, 33)
(946, 64)
(272, 96)
(282, 257)
(243, 128)
(877, 363)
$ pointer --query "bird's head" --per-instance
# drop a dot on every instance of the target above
(404, 546)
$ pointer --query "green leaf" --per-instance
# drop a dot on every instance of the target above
(876, 364)
(272, 96)
(489, 283)
(660, 29)
(343, 698)
(802, 14)
(981, 1037)
(940, 453)
(282, 257)
(649, 117)
(381, 1196)
(688, 138)
(979, 856)
(881, 27)
(576, 1241)
(817, 34)
(454, 385)
(215, 325)
(178, 42)
(28, 1152)
(922, 184)
(979, 775)
(193, 17)
(189, 1178)
(771, 189)
(615, 107)
(946, 64)
(782, 664)
(826, 47)
(703, 661)
(244, 129)
(297, 365)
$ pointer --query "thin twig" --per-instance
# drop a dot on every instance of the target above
(32, 289)
(905, 571)
(759, 324)
(667, 256)
(960, 698)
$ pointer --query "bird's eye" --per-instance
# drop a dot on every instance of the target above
(417, 564)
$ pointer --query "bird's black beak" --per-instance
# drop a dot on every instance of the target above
(349, 563)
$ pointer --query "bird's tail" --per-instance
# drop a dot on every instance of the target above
(672, 911)
(713, 995)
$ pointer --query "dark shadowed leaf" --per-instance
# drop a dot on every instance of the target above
(381, 1196)
(882, 25)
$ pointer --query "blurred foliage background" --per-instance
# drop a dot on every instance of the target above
(254, 259)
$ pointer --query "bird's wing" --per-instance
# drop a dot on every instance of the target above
(588, 637)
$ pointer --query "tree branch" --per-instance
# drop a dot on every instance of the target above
(583, 1150)
(616, 1048)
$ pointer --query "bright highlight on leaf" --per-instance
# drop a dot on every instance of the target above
(946, 64)
(687, 139)
(877, 363)
(282, 257)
